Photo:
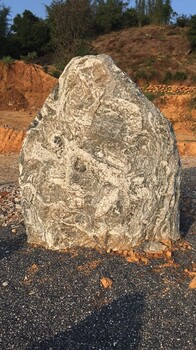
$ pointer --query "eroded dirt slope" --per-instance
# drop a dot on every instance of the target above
(178, 104)
(23, 86)
(23, 90)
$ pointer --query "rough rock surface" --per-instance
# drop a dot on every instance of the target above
(99, 166)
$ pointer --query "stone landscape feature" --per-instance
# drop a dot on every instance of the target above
(99, 166)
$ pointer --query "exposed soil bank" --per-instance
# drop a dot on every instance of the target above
(23, 86)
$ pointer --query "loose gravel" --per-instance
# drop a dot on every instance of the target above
(54, 300)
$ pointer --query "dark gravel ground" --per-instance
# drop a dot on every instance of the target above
(55, 300)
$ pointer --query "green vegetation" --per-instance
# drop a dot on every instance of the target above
(147, 75)
(4, 29)
(30, 33)
(30, 58)
(56, 73)
(180, 76)
(176, 76)
(7, 60)
(192, 33)
(154, 11)
(152, 96)
(182, 21)
(167, 78)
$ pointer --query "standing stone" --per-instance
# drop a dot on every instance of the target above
(99, 166)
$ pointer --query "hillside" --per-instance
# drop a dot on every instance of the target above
(151, 54)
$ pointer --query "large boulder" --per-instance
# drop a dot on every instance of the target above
(99, 166)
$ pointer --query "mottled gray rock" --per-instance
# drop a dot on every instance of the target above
(99, 166)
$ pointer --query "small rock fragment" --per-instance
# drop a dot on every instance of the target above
(106, 282)
(192, 284)
(5, 284)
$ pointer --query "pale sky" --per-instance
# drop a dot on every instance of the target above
(187, 7)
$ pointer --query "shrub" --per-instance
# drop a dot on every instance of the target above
(152, 96)
(147, 75)
(56, 73)
(8, 60)
(180, 76)
(182, 21)
(141, 74)
(82, 48)
(192, 33)
(30, 58)
(168, 77)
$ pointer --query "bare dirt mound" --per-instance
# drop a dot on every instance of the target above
(23, 90)
(23, 86)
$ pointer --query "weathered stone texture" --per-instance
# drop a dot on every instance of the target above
(99, 166)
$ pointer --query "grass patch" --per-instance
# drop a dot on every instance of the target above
(153, 96)
(180, 76)
(147, 75)
(177, 76)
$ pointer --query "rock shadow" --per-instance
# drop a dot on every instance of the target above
(114, 326)
(187, 204)
(10, 242)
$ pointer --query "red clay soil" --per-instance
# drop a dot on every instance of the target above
(23, 90)
(23, 86)
(11, 140)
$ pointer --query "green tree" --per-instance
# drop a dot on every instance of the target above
(182, 21)
(167, 12)
(4, 28)
(130, 18)
(140, 6)
(30, 32)
(109, 15)
(192, 33)
(70, 22)
(159, 11)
